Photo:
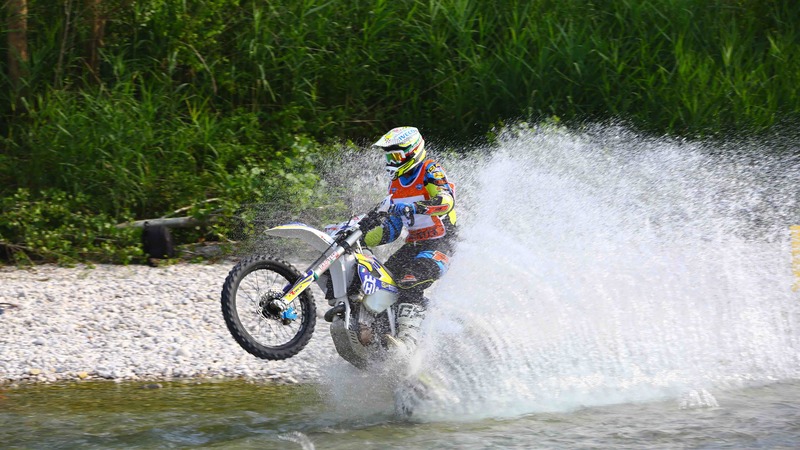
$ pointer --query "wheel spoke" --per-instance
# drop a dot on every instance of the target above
(260, 286)
(248, 305)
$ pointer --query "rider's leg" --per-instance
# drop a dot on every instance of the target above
(409, 323)
(415, 271)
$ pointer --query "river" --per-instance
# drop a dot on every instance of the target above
(239, 415)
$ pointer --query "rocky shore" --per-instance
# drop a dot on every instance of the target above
(132, 323)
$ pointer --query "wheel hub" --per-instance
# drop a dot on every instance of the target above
(270, 305)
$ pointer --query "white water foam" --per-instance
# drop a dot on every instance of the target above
(601, 267)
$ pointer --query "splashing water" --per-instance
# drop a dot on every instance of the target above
(602, 267)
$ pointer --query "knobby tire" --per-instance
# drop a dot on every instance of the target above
(303, 303)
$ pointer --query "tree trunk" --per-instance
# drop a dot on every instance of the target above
(177, 222)
(17, 21)
(97, 26)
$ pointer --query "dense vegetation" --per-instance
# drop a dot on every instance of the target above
(123, 109)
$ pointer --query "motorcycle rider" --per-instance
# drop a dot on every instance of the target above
(420, 190)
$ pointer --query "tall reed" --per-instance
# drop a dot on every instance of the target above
(188, 92)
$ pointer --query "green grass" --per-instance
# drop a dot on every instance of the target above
(194, 100)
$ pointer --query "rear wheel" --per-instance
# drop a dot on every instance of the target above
(252, 315)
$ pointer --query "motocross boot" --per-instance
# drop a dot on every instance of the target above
(409, 319)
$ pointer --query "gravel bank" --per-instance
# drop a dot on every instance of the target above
(129, 323)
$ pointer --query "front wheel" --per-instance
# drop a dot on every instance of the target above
(247, 306)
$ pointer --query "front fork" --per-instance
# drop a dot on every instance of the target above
(318, 267)
(282, 306)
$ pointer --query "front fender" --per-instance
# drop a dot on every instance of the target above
(311, 236)
(341, 271)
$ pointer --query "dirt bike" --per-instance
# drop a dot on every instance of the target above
(270, 311)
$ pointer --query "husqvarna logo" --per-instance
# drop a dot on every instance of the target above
(369, 285)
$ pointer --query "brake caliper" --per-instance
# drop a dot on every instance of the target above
(289, 315)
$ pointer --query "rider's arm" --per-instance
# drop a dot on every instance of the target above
(441, 201)
(386, 232)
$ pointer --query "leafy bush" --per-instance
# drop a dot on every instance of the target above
(265, 192)
(62, 228)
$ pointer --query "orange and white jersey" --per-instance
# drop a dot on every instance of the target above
(433, 199)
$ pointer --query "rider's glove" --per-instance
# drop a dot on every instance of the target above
(402, 209)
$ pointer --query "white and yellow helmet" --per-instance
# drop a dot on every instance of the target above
(404, 149)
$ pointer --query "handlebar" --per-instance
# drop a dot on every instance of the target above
(371, 219)
(380, 211)
(375, 216)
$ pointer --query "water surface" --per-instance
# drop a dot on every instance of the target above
(239, 415)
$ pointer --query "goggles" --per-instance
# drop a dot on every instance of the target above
(395, 157)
